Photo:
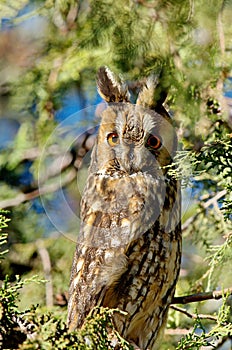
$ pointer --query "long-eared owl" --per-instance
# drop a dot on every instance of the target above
(129, 246)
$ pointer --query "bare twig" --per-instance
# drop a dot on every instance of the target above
(192, 298)
(177, 331)
(45, 258)
(194, 316)
(191, 10)
(35, 152)
(221, 30)
(211, 201)
(59, 164)
(45, 189)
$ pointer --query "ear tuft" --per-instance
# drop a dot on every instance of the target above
(151, 95)
(110, 87)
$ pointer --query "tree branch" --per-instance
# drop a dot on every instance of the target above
(211, 201)
(194, 316)
(178, 331)
(221, 35)
(47, 267)
(45, 189)
(192, 298)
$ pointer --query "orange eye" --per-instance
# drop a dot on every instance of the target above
(113, 139)
(153, 142)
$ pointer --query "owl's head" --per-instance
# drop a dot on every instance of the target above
(133, 137)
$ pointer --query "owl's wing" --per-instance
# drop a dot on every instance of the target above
(115, 211)
(85, 287)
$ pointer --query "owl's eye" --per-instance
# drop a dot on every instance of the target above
(154, 142)
(112, 139)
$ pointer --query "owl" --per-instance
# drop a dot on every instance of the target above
(128, 251)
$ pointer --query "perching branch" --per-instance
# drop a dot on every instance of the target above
(192, 298)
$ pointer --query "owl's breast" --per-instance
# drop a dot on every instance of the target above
(118, 209)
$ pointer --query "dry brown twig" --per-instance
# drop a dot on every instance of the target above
(47, 267)
(192, 298)
(212, 201)
(45, 189)
(192, 315)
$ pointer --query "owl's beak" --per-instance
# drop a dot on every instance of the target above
(129, 159)
(131, 162)
(139, 159)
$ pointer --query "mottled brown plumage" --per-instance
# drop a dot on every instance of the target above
(129, 247)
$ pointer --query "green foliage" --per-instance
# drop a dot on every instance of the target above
(3, 235)
(32, 329)
(135, 38)
(12, 10)
(220, 255)
(98, 332)
(9, 293)
(200, 337)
